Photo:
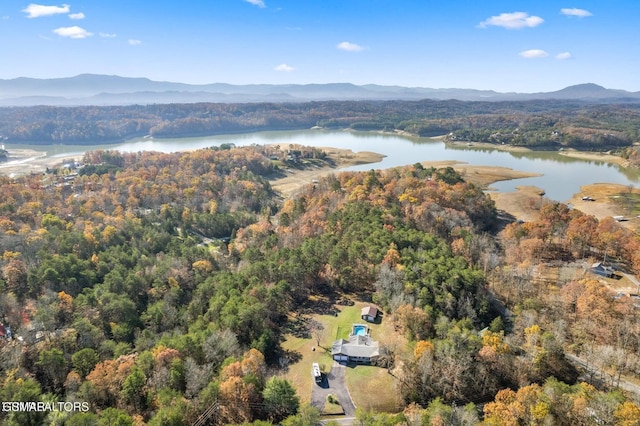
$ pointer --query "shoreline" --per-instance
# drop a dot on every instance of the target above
(597, 156)
(604, 157)
(37, 161)
(522, 203)
(482, 176)
(289, 185)
(26, 161)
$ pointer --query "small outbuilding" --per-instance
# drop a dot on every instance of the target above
(369, 313)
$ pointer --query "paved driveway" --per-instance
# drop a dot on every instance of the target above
(334, 383)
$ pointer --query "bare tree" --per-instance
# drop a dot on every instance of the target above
(317, 331)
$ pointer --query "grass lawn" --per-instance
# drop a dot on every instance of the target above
(299, 373)
(363, 381)
(332, 409)
(373, 388)
(629, 201)
(339, 327)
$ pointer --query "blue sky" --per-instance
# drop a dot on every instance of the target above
(504, 45)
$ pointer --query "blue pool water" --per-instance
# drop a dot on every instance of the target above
(360, 330)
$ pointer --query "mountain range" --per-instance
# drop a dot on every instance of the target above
(95, 89)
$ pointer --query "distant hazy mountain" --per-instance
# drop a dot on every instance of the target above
(92, 89)
(588, 91)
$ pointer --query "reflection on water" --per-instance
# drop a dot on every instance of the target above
(562, 175)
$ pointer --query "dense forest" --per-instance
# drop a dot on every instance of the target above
(549, 123)
(155, 286)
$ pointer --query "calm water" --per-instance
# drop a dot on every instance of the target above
(562, 176)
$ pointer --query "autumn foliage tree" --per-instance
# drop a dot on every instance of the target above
(241, 386)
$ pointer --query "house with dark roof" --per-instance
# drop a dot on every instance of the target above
(369, 313)
(600, 269)
(360, 348)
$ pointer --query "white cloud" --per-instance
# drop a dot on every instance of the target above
(563, 55)
(581, 13)
(72, 32)
(284, 68)
(259, 3)
(38, 10)
(512, 21)
(134, 42)
(533, 53)
(350, 47)
(107, 35)
(76, 15)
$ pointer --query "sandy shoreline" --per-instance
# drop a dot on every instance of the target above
(27, 161)
(567, 152)
(341, 158)
(482, 176)
(604, 204)
(595, 156)
(523, 203)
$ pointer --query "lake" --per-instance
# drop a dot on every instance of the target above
(562, 176)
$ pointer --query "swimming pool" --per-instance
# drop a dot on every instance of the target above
(359, 330)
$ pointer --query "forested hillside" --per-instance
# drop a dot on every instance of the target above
(550, 123)
(119, 292)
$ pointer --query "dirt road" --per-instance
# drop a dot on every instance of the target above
(623, 384)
